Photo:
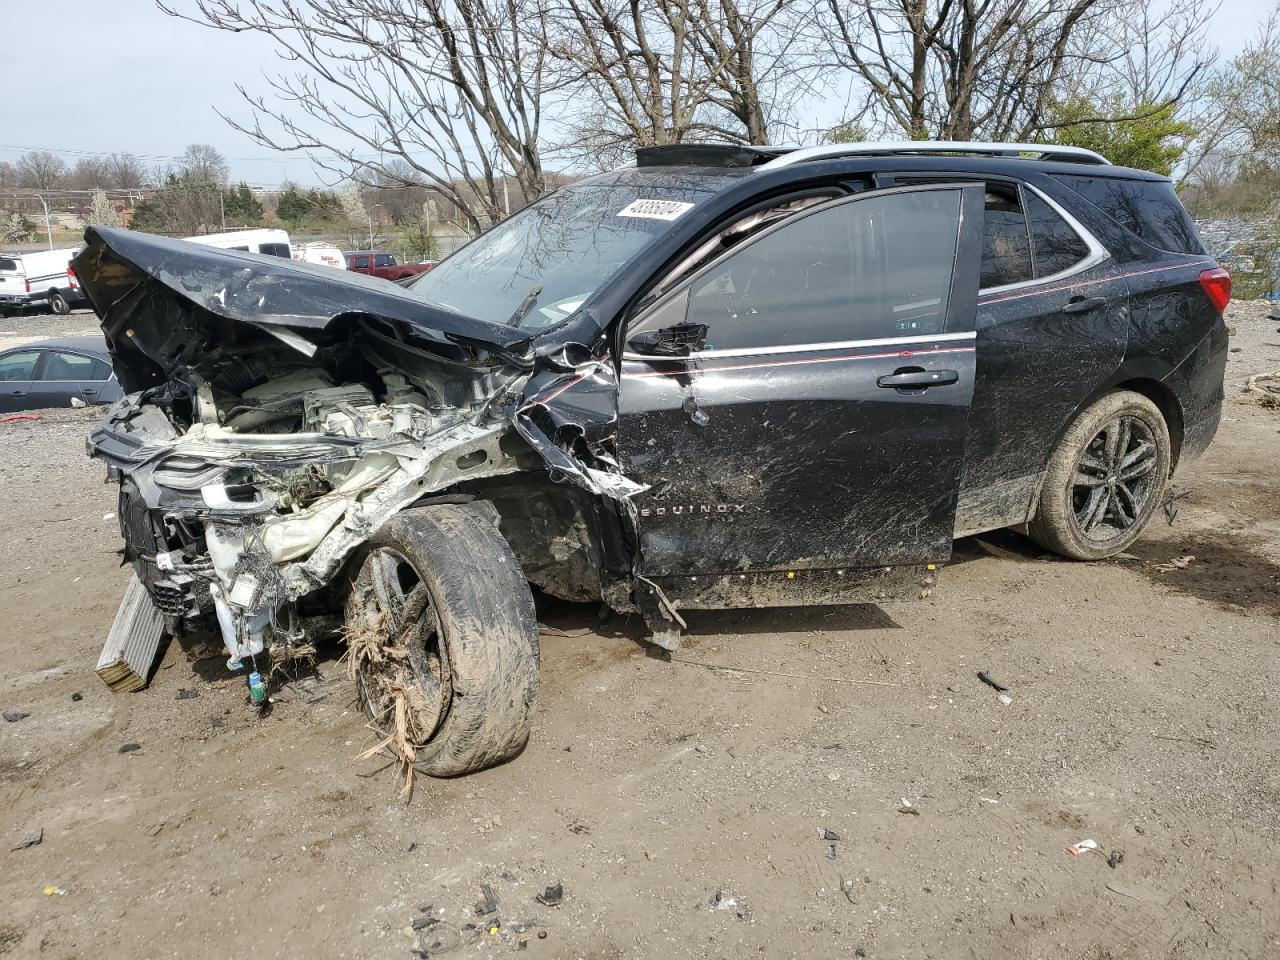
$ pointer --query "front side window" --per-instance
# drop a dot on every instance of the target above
(871, 268)
(20, 365)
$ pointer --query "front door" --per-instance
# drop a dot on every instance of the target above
(800, 403)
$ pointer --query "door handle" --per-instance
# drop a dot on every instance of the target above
(1082, 305)
(88, 391)
(18, 393)
(917, 379)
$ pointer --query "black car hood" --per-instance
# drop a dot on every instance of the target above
(268, 291)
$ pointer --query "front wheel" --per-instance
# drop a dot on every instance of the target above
(443, 639)
(1105, 479)
(58, 303)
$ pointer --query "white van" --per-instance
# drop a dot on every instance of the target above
(272, 243)
(318, 251)
(42, 278)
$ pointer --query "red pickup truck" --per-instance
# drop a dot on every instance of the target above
(376, 263)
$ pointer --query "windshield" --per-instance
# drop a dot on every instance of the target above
(538, 267)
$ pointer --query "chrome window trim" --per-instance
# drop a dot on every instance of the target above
(1097, 252)
(808, 347)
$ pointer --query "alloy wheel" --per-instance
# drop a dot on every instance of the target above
(1114, 479)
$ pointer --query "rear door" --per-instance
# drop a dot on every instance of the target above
(13, 286)
(18, 371)
(818, 419)
(65, 375)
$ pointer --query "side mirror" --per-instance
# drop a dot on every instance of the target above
(675, 341)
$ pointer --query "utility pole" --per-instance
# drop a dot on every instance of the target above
(48, 230)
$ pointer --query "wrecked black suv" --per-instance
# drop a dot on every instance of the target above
(722, 377)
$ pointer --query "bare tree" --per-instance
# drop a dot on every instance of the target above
(970, 69)
(453, 89)
(202, 163)
(124, 171)
(662, 71)
(40, 170)
(8, 176)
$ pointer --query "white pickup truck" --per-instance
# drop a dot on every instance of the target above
(43, 278)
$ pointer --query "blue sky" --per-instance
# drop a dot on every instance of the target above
(122, 76)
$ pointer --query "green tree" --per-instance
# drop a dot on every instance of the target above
(847, 132)
(1147, 136)
(240, 206)
(292, 207)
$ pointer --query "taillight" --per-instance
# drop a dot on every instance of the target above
(1216, 284)
(28, 283)
(72, 282)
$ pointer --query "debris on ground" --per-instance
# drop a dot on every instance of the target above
(723, 900)
(1116, 858)
(1005, 699)
(129, 747)
(132, 642)
(1264, 390)
(489, 904)
(1170, 504)
(185, 694)
(1177, 563)
(1083, 846)
(847, 888)
(828, 834)
(13, 716)
(77, 697)
(32, 840)
(993, 684)
(52, 891)
(909, 807)
(552, 896)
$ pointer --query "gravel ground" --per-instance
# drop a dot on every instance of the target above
(682, 804)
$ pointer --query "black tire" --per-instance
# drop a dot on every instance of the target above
(58, 303)
(445, 595)
(1105, 479)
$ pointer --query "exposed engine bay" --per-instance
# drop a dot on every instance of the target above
(260, 445)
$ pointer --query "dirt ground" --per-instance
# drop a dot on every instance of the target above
(682, 804)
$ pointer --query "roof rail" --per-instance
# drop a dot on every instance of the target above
(1041, 151)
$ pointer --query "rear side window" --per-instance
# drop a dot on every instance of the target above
(361, 263)
(384, 260)
(8, 266)
(1148, 208)
(72, 366)
(275, 250)
(1054, 245)
(872, 268)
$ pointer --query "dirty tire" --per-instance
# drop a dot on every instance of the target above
(58, 303)
(1105, 479)
(480, 620)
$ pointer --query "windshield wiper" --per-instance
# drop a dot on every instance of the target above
(526, 305)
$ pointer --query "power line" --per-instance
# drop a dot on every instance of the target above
(160, 158)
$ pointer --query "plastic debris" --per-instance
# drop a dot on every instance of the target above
(994, 685)
(1005, 699)
(847, 888)
(437, 937)
(1084, 846)
(909, 807)
(489, 904)
(553, 896)
(52, 891)
(1177, 563)
(13, 716)
(32, 840)
(830, 835)
(185, 694)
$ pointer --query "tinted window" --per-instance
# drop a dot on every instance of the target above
(1148, 208)
(275, 250)
(71, 366)
(875, 267)
(18, 366)
(362, 263)
(8, 266)
(1006, 247)
(384, 260)
(1054, 245)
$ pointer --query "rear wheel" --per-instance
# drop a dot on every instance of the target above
(1105, 480)
(58, 303)
(443, 640)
